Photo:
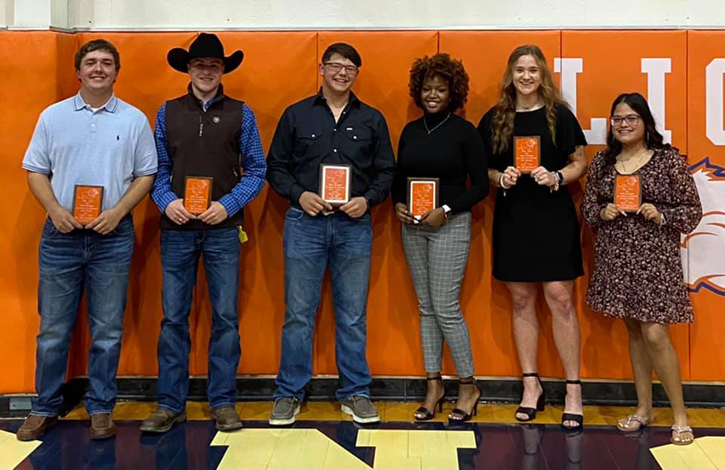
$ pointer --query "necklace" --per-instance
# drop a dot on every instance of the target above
(521, 107)
(436, 126)
(637, 162)
(533, 107)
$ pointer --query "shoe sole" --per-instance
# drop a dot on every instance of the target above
(179, 419)
(228, 427)
(285, 422)
(373, 419)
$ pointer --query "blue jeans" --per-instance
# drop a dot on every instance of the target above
(311, 244)
(180, 251)
(70, 264)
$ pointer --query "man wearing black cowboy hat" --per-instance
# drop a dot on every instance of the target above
(204, 140)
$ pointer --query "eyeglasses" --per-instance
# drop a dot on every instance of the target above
(336, 67)
(631, 120)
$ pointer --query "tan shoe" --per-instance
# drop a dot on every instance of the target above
(226, 418)
(102, 426)
(161, 420)
(35, 426)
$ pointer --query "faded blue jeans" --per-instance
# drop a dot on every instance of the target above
(180, 252)
(70, 264)
(311, 244)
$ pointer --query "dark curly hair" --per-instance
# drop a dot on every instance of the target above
(443, 66)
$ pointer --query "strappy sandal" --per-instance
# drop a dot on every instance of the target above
(626, 424)
(577, 418)
(540, 403)
(423, 413)
(677, 435)
(460, 416)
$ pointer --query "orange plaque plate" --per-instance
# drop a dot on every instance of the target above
(87, 203)
(197, 193)
(335, 183)
(628, 193)
(527, 153)
(422, 196)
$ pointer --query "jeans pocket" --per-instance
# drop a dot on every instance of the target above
(49, 230)
(124, 227)
(294, 213)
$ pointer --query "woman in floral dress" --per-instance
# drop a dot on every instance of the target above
(637, 268)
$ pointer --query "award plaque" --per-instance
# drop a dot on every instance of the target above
(422, 196)
(527, 152)
(197, 193)
(87, 203)
(628, 193)
(335, 183)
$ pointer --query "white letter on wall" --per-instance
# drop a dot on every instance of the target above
(569, 68)
(714, 101)
(656, 70)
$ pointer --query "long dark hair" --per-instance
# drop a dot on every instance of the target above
(653, 140)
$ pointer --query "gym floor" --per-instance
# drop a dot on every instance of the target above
(325, 438)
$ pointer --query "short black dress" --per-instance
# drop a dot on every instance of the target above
(536, 235)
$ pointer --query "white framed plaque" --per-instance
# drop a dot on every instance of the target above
(422, 196)
(335, 181)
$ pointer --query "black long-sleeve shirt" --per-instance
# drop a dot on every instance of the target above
(452, 152)
(307, 135)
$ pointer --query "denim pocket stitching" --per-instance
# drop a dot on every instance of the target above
(299, 213)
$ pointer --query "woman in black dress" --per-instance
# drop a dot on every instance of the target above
(535, 227)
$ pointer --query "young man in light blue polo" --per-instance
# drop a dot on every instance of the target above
(92, 140)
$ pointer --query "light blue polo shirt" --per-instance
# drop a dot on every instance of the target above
(108, 147)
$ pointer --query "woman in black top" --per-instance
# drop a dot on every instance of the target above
(445, 146)
(535, 227)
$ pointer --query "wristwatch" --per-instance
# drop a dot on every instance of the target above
(446, 211)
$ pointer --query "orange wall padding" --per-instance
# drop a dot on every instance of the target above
(279, 69)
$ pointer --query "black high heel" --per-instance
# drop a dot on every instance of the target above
(460, 416)
(540, 403)
(423, 413)
(577, 418)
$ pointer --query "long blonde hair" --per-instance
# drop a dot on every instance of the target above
(502, 124)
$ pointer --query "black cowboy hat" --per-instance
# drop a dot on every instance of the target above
(205, 45)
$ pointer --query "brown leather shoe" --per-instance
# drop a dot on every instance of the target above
(161, 420)
(102, 426)
(226, 418)
(35, 426)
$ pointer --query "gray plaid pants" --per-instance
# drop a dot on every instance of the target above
(437, 262)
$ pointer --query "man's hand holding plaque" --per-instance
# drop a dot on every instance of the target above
(527, 153)
(422, 197)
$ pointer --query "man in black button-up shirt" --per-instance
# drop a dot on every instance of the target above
(331, 127)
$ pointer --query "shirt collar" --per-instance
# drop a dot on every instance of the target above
(320, 98)
(110, 106)
(219, 96)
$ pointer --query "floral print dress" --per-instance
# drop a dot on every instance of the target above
(637, 263)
